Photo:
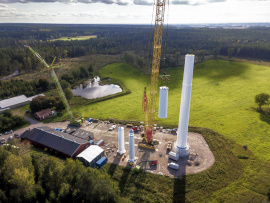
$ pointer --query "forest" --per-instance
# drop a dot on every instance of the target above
(252, 43)
(34, 177)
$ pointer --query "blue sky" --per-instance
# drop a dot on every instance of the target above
(132, 11)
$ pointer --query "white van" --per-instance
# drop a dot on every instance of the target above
(173, 165)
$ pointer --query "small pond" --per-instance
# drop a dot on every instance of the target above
(94, 90)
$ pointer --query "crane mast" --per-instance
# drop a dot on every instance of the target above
(58, 86)
(150, 109)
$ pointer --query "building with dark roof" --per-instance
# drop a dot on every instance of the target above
(60, 142)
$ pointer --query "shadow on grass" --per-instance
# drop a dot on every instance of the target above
(179, 189)
(220, 69)
(124, 178)
(264, 114)
(113, 166)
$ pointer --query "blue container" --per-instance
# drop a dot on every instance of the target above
(58, 129)
(92, 142)
(101, 162)
(90, 119)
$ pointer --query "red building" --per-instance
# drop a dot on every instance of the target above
(62, 143)
(45, 113)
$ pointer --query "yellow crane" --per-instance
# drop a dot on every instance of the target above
(149, 107)
(77, 122)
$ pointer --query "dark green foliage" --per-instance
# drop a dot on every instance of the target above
(43, 83)
(135, 61)
(39, 103)
(68, 93)
(77, 74)
(262, 99)
(18, 87)
(8, 121)
(50, 179)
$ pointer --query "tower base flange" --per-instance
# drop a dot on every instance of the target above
(182, 152)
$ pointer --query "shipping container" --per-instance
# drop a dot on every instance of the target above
(100, 143)
(101, 162)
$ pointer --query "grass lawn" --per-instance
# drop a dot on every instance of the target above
(229, 180)
(75, 38)
(222, 99)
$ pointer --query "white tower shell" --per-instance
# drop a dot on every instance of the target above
(163, 102)
(131, 147)
(181, 144)
(121, 141)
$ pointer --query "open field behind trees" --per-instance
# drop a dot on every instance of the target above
(222, 99)
(75, 38)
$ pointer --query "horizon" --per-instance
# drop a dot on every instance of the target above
(133, 11)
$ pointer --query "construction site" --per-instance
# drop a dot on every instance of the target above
(169, 152)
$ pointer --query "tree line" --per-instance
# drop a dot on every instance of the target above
(252, 43)
(9, 121)
(31, 177)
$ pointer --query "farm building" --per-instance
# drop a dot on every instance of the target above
(91, 155)
(45, 113)
(16, 102)
(62, 143)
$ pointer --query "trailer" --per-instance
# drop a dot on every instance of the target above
(101, 162)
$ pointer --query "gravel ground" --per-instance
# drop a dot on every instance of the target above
(200, 158)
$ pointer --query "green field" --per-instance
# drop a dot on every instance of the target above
(75, 38)
(222, 99)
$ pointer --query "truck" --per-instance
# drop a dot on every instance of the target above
(103, 160)
(135, 128)
(173, 165)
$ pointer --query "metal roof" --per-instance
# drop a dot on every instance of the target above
(91, 153)
(31, 98)
(59, 141)
(13, 101)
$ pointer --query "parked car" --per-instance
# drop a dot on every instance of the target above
(112, 127)
(173, 165)
(3, 141)
(10, 138)
(89, 123)
(0, 134)
(16, 135)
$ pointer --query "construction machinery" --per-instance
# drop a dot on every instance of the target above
(74, 121)
(149, 107)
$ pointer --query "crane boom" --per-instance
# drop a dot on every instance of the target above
(150, 114)
(55, 79)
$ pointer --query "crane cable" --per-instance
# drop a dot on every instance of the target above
(149, 54)
(166, 40)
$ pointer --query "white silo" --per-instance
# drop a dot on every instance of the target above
(182, 147)
(131, 147)
(163, 102)
(121, 141)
